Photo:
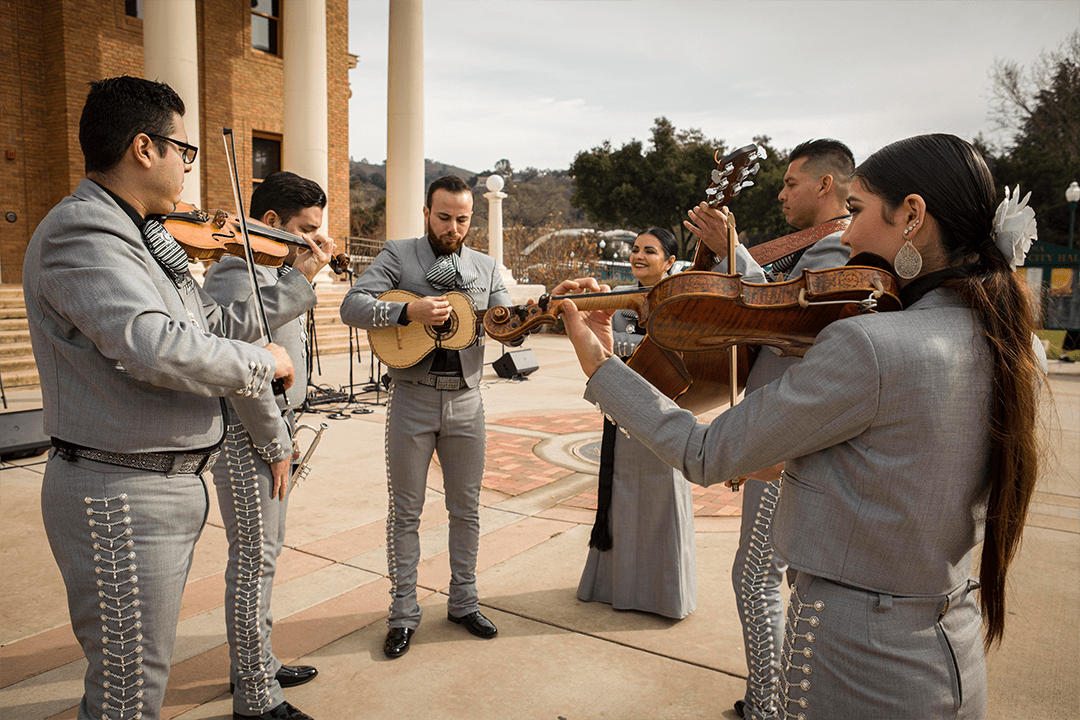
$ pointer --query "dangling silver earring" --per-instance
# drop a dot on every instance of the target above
(908, 262)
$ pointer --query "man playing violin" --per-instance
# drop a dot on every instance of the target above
(252, 484)
(814, 200)
(434, 406)
(134, 358)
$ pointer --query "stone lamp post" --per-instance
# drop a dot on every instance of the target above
(495, 196)
(519, 293)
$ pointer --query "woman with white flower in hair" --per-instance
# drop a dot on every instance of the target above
(909, 438)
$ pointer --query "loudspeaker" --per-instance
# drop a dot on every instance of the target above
(516, 363)
(21, 434)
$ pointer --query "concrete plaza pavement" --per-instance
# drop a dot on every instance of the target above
(555, 657)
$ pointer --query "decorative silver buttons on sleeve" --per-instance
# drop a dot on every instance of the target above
(271, 452)
(385, 315)
(256, 380)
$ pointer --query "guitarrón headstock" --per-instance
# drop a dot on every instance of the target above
(729, 178)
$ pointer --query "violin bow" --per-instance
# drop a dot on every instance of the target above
(230, 155)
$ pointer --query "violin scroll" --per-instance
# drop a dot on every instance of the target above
(506, 324)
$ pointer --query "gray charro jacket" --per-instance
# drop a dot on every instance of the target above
(128, 362)
(883, 426)
(403, 265)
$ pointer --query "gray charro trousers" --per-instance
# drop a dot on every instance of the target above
(123, 540)
(255, 528)
(757, 576)
(421, 421)
(852, 654)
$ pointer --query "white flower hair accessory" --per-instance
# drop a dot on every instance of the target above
(1014, 227)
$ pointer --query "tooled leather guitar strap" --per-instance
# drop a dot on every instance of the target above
(773, 250)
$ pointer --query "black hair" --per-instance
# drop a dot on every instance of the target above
(116, 110)
(286, 194)
(952, 178)
(666, 238)
(827, 157)
(450, 183)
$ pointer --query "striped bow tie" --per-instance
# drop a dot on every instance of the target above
(167, 252)
(446, 273)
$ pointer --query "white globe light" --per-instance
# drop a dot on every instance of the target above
(1072, 193)
(495, 183)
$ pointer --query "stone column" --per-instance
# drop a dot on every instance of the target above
(405, 121)
(306, 144)
(171, 55)
(495, 197)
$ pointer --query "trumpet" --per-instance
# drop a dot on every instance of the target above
(304, 467)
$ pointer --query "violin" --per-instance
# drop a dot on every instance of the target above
(210, 235)
(695, 311)
(692, 315)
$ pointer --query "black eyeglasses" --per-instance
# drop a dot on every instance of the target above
(187, 152)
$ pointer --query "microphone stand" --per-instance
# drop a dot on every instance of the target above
(352, 398)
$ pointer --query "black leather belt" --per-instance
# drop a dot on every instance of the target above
(443, 382)
(174, 463)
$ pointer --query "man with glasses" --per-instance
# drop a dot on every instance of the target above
(187, 152)
(133, 360)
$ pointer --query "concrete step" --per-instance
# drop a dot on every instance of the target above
(21, 379)
(14, 324)
(12, 308)
(14, 336)
(17, 363)
(17, 350)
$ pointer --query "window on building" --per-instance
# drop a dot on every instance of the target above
(133, 8)
(266, 26)
(265, 156)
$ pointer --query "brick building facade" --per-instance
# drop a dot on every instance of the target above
(53, 48)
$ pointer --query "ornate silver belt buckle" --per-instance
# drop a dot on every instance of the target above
(447, 383)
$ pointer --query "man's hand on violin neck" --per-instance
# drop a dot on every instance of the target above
(580, 285)
(311, 261)
(709, 225)
(284, 370)
(590, 332)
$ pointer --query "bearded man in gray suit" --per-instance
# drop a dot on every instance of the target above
(252, 500)
(435, 405)
(133, 362)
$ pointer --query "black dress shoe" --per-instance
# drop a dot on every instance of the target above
(284, 711)
(739, 706)
(476, 623)
(397, 641)
(293, 675)
(289, 676)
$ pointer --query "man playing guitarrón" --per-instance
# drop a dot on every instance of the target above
(814, 200)
(434, 405)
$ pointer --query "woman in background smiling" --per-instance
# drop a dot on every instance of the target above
(641, 553)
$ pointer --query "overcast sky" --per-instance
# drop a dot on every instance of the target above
(537, 81)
